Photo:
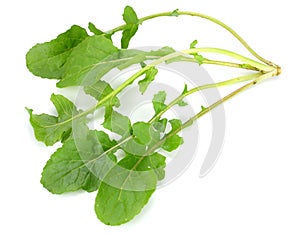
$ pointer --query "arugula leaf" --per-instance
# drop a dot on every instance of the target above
(117, 122)
(94, 29)
(160, 125)
(84, 58)
(193, 44)
(174, 141)
(127, 188)
(47, 60)
(69, 170)
(150, 76)
(199, 58)
(96, 64)
(132, 25)
(141, 132)
(100, 90)
(50, 129)
(97, 31)
(158, 101)
(182, 102)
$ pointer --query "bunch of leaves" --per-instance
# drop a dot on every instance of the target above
(124, 170)
(87, 158)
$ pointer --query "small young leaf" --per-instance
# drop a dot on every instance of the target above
(159, 101)
(197, 57)
(97, 31)
(193, 44)
(94, 29)
(150, 76)
(132, 25)
(127, 188)
(67, 171)
(160, 125)
(50, 129)
(175, 124)
(174, 141)
(47, 60)
(101, 89)
(182, 102)
(175, 13)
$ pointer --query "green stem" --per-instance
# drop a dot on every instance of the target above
(207, 86)
(232, 54)
(229, 64)
(175, 101)
(161, 60)
(211, 107)
(212, 19)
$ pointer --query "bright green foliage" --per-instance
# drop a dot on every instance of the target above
(174, 140)
(99, 90)
(150, 76)
(132, 25)
(47, 60)
(50, 129)
(125, 171)
(68, 170)
(159, 101)
(97, 31)
(141, 132)
(198, 58)
(161, 125)
(127, 188)
(117, 123)
(100, 57)
(84, 59)
(182, 102)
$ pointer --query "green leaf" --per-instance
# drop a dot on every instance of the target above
(199, 58)
(160, 125)
(157, 162)
(159, 101)
(193, 44)
(117, 122)
(100, 90)
(150, 76)
(182, 102)
(84, 58)
(131, 146)
(175, 124)
(127, 188)
(144, 137)
(173, 141)
(69, 170)
(98, 65)
(175, 13)
(47, 60)
(50, 129)
(132, 25)
(97, 31)
(141, 132)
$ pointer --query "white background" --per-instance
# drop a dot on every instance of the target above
(254, 188)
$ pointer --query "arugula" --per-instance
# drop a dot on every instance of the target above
(50, 129)
(131, 27)
(123, 162)
(47, 60)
